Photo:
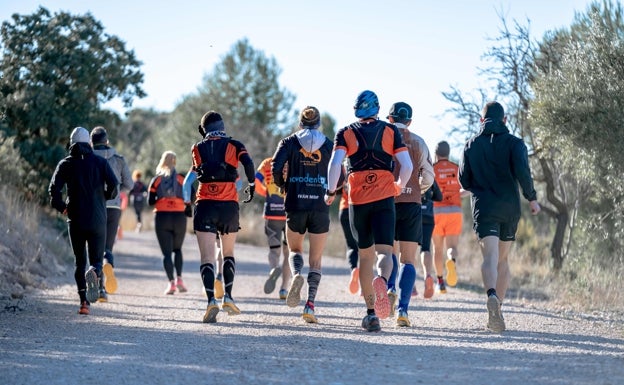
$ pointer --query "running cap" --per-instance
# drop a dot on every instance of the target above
(366, 105)
(400, 112)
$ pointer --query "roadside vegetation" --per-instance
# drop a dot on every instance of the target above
(563, 93)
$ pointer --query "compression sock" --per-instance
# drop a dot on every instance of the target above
(295, 260)
(393, 275)
(229, 270)
(406, 283)
(207, 275)
(314, 279)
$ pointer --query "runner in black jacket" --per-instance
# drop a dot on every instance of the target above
(90, 183)
(300, 168)
(494, 163)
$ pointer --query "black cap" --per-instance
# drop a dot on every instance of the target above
(400, 112)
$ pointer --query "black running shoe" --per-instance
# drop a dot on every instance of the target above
(371, 323)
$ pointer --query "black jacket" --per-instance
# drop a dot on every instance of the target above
(494, 163)
(90, 183)
(306, 180)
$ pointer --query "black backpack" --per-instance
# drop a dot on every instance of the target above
(213, 167)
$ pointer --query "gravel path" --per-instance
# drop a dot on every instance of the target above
(144, 337)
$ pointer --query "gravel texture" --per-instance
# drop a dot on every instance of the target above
(142, 336)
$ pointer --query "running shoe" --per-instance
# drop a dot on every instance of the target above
(308, 315)
(354, 283)
(92, 291)
(496, 322)
(110, 282)
(84, 308)
(180, 285)
(382, 303)
(102, 297)
(451, 273)
(171, 288)
(212, 310)
(371, 323)
(283, 294)
(403, 319)
(392, 298)
(294, 295)
(269, 285)
(429, 289)
(229, 306)
(218, 288)
(441, 287)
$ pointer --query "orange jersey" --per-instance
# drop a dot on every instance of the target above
(368, 145)
(446, 175)
(167, 202)
(266, 187)
(219, 191)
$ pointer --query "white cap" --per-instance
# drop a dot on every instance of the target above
(79, 135)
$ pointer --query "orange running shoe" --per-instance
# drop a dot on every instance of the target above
(429, 287)
(354, 283)
(84, 308)
(382, 302)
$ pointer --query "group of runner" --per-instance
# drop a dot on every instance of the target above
(387, 181)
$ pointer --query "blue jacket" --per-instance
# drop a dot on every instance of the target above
(494, 163)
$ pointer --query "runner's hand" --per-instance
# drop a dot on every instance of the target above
(250, 190)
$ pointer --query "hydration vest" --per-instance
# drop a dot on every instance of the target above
(370, 154)
(213, 167)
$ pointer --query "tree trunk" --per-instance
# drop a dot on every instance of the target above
(560, 214)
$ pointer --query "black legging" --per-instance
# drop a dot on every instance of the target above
(113, 215)
(81, 239)
(352, 247)
(170, 231)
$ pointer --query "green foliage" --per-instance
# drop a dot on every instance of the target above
(244, 88)
(579, 107)
(138, 139)
(55, 72)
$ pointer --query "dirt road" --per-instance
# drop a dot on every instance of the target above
(144, 337)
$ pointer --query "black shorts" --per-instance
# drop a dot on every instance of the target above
(216, 216)
(373, 223)
(505, 231)
(314, 222)
(408, 224)
(427, 231)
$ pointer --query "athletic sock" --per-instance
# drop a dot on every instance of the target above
(295, 260)
(229, 270)
(207, 275)
(393, 275)
(314, 279)
(406, 283)
(491, 291)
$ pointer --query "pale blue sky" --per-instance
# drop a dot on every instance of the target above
(329, 51)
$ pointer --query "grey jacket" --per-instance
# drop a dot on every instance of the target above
(121, 170)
